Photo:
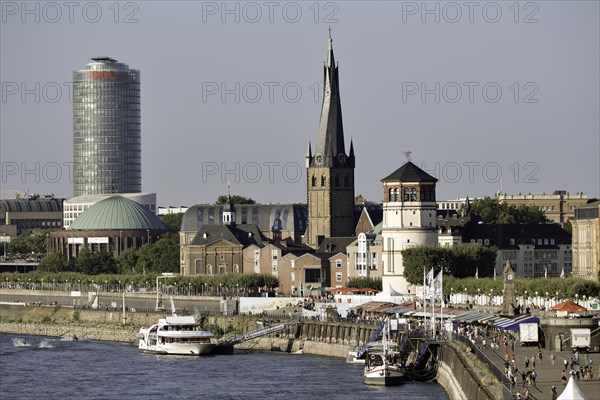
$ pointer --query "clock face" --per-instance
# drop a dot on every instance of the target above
(342, 158)
(509, 277)
(319, 158)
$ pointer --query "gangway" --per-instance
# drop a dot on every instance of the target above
(363, 349)
(260, 332)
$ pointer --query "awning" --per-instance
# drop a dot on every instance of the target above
(513, 323)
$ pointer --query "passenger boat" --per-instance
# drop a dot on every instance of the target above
(383, 365)
(176, 335)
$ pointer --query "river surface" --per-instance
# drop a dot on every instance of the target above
(35, 367)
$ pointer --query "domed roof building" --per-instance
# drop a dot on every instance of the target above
(112, 225)
(116, 212)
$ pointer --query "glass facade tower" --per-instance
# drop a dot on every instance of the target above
(107, 150)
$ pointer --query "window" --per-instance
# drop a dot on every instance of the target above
(199, 266)
(273, 254)
(236, 269)
(338, 276)
(406, 194)
(312, 275)
(314, 181)
(209, 269)
(413, 194)
(323, 180)
(338, 263)
(222, 257)
(486, 242)
(222, 269)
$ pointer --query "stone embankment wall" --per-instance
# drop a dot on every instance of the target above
(464, 377)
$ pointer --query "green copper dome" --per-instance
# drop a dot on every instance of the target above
(116, 212)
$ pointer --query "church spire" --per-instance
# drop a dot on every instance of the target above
(330, 139)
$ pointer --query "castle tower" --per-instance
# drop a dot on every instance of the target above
(330, 171)
(409, 219)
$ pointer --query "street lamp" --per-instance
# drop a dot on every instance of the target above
(148, 232)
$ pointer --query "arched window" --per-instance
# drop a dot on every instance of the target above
(236, 269)
(209, 269)
(323, 180)
(406, 194)
(314, 181)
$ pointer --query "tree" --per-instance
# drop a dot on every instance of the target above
(127, 260)
(461, 261)
(361, 282)
(32, 241)
(236, 199)
(173, 221)
(494, 211)
(53, 262)
(160, 256)
(567, 226)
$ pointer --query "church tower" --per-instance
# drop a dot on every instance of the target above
(330, 171)
(409, 219)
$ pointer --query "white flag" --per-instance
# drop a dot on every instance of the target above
(477, 273)
(545, 271)
(562, 272)
(437, 287)
(494, 273)
(429, 288)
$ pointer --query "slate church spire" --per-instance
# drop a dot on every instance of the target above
(330, 170)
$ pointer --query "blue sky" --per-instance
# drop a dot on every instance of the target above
(487, 96)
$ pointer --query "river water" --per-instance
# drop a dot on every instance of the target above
(35, 367)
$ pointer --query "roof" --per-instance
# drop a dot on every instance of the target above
(568, 306)
(268, 217)
(572, 392)
(243, 235)
(30, 205)
(500, 235)
(94, 198)
(409, 172)
(335, 244)
(513, 323)
(116, 212)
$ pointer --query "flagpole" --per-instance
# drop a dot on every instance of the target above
(441, 300)
(424, 303)
(433, 306)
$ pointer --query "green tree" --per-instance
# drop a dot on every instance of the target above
(127, 260)
(461, 261)
(32, 241)
(172, 221)
(236, 199)
(160, 256)
(494, 211)
(361, 282)
(53, 262)
(567, 226)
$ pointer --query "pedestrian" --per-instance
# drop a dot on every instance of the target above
(532, 361)
(526, 394)
(552, 357)
(563, 377)
(554, 393)
(526, 362)
(514, 360)
(566, 363)
(533, 376)
(540, 356)
(483, 343)
(506, 358)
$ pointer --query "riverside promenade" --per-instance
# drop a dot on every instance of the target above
(547, 374)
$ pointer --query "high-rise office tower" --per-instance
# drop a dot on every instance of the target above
(107, 151)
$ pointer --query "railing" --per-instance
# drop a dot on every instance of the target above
(492, 367)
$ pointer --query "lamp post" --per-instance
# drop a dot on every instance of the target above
(120, 241)
(148, 232)
(164, 275)
(47, 244)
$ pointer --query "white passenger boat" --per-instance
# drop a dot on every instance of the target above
(382, 365)
(176, 335)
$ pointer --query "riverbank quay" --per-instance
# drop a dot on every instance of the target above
(548, 373)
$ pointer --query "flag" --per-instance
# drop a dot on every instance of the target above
(562, 272)
(477, 273)
(428, 290)
(494, 273)
(545, 271)
(437, 287)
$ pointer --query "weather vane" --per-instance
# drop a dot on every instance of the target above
(407, 154)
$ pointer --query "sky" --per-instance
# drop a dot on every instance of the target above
(487, 96)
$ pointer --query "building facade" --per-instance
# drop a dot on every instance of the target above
(22, 214)
(409, 219)
(107, 151)
(558, 206)
(586, 241)
(534, 250)
(330, 171)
